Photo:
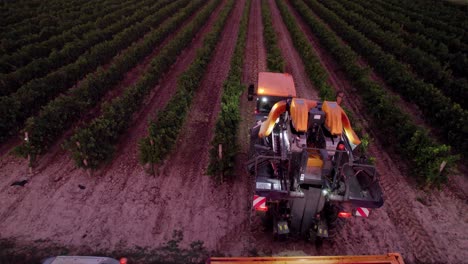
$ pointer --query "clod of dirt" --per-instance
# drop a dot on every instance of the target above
(81, 187)
(424, 199)
(19, 183)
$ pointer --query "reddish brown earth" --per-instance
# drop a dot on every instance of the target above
(294, 64)
(211, 213)
(123, 207)
(254, 62)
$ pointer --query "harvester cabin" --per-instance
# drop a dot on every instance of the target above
(273, 87)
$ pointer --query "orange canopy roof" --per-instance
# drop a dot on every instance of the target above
(276, 84)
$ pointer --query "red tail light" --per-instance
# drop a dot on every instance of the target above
(344, 215)
(341, 146)
(262, 208)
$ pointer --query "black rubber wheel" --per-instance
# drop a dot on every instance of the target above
(335, 224)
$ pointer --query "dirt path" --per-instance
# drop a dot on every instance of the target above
(411, 221)
(294, 64)
(254, 62)
(119, 205)
(212, 211)
(255, 53)
(208, 212)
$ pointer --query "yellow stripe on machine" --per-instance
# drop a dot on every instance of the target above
(391, 258)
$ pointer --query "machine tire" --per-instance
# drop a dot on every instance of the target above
(334, 223)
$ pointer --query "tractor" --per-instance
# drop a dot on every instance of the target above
(307, 179)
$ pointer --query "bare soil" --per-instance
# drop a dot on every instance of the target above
(294, 65)
(211, 213)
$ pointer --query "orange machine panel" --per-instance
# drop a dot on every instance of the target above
(336, 121)
(276, 84)
(299, 113)
(390, 258)
(269, 123)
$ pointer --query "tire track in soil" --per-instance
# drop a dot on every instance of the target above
(254, 62)
(206, 211)
(399, 210)
(260, 240)
(294, 65)
(255, 53)
(110, 184)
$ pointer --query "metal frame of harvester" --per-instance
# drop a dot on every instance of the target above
(306, 178)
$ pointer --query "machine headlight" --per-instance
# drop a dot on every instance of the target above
(263, 185)
(276, 186)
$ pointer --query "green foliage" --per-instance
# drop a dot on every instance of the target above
(41, 59)
(439, 110)
(455, 61)
(171, 252)
(229, 117)
(59, 114)
(422, 63)
(46, 20)
(36, 93)
(165, 129)
(275, 60)
(100, 136)
(413, 142)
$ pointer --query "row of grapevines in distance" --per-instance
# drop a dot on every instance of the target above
(275, 60)
(95, 143)
(16, 108)
(227, 124)
(32, 49)
(49, 25)
(58, 115)
(411, 141)
(164, 130)
(73, 49)
(423, 64)
(439, 110)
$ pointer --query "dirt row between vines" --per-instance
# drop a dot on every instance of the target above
(121, 204)
(130, 78)
(192, 201)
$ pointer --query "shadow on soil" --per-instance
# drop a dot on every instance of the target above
(170, 252)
